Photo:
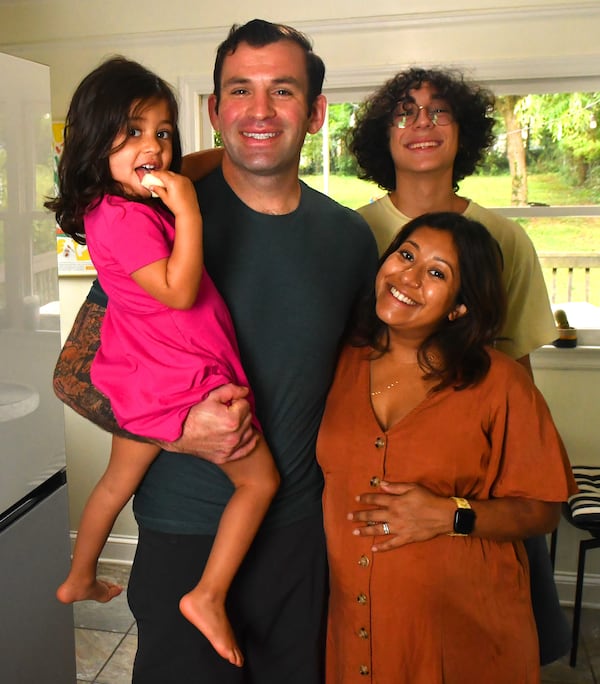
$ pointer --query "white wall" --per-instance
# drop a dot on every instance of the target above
(545, 36)
(497, 41)
(570, 382)
(87, 446)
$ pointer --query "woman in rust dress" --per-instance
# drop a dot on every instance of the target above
(439, 456)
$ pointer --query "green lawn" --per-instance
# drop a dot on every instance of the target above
(550, 188)
(489, 191)
(347, 190)
(579, 234)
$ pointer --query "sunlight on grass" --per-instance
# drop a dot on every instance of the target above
(558, 234)
(489, 191)
(347, 190)
(550, 188)
(562, 234)
(578, 234)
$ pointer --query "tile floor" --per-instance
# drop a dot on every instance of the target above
(105, 635)
(106, 638)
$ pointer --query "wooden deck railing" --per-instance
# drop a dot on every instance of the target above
(571, 276)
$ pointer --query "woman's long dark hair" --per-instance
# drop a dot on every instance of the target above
(454, 354)
(100, 109)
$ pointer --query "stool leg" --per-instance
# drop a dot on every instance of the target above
(577, 605)
(553, 541)
(584, 545)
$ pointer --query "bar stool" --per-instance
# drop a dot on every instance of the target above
(583, 512)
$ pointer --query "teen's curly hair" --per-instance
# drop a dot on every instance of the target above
(471, 107)
(100, 109)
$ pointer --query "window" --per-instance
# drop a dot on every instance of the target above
(28, 271)
(554, 142)
(561, 212)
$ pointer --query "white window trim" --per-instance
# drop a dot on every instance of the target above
(537, 211)
(581, 358)
(503, 77)
(587, 338)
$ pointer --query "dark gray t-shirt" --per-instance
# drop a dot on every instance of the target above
(290, 283)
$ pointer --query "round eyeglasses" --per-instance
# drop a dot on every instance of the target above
(408, 113)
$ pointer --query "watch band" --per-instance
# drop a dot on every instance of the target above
(464, 518)
(460, 502)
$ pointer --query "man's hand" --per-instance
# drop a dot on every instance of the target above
(218, 429)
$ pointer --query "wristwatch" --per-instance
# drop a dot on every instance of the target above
(464, 518)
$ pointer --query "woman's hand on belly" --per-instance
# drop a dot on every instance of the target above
(404, 513)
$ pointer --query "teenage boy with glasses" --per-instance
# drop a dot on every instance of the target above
(417, 137)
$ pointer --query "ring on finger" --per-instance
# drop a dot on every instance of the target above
(386, 528)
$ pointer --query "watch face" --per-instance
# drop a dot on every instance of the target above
(464, 520)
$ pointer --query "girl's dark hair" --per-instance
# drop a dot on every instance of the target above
(99, 111)
(455, 353)
(471, 106)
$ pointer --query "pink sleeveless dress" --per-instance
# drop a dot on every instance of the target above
(154, 363)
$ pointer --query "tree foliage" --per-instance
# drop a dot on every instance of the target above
(340, 119)
(560, 132)
(537, 133)
(570, 121)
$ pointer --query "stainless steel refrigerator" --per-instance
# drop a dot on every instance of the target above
(36, 631)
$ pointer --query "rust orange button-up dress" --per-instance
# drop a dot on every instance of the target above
(455, 610)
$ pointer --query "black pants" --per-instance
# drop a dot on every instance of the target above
(276, 606)
(554, 632)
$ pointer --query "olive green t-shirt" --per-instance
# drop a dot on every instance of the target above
(529, 320)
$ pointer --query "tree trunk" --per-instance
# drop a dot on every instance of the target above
(515, 149)
(581, 170)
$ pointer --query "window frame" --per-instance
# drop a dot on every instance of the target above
(503, 77)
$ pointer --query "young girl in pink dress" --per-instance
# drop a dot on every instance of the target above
(167, 337)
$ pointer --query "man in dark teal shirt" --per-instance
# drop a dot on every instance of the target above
(291, 264)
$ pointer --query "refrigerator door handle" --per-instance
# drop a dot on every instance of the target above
(32, 499)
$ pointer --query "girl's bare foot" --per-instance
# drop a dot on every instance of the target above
(100, 590)
(208, 615)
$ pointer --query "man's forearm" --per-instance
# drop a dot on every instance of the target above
(72, 383)
(218, 429)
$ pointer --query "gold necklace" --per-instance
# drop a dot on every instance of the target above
(387, 387)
